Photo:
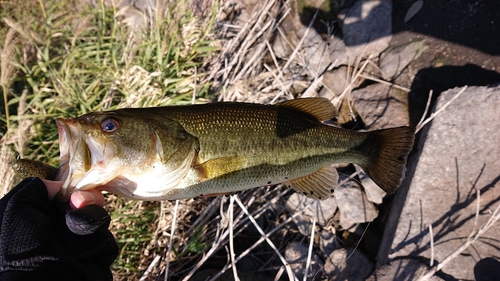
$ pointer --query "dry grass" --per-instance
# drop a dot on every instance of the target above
(182, 238)
(149, 237)
(473, 237)
(68, 60)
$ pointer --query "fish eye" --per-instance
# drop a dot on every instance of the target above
(109, 125)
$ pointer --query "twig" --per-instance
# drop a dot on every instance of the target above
(312, 89)
(218, 241)
(478, 209)
(280, 76)
(219, 237)
(277, 79)
(431, 235)
(231, 241)
(294, 53)
(150, 268)
(249, 40)
(171, 241)
(369, 77)
(280, 272)
(291, 275)
(433, 115)
(257, 16)
(495, 216)
(309, 252)
(297, 48)
(207, 212)
(422, 119)
(259, 51)
(348, 88)
(193, 98)
(262, 239)
(359, 242)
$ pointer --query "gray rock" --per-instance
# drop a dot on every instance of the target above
(314, 54)
(367, 28)
(137, 14)
(402, 270)
(206, 274)
(348, 264)
(458, 153)
(323, 211)
(335, 82)
(328, 242)
(338, 52)
(296, 255)
(373, 192)
(141, 5)
(395, 59)
(381, 106)
(245, 10)
(353, 205)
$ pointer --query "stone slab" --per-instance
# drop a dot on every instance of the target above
(457, 154)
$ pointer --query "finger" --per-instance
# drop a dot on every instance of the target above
(53, 187)
(82, 198)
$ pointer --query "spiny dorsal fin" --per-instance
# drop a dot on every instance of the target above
(318, 185)
(320, 108)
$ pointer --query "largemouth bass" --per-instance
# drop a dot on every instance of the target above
(176, 152)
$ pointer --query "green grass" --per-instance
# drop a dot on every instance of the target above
(64, 59)
(134, 224)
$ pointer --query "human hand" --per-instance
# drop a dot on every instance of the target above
(87, 213)
(39, 241)
(79, 199)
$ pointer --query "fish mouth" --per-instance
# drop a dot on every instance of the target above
(68, 130)
(70, 144)
(82, 157)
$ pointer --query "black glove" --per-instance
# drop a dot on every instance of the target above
(37, 244)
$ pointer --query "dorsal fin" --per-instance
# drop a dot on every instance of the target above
(320, 108)
(319, 185)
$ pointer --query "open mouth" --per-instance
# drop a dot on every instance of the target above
(74, 154)
(84, 158)
(66, 147)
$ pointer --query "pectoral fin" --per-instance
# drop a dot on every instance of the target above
(318, 185)
(217, 167)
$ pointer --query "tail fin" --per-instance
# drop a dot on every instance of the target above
(387, 166)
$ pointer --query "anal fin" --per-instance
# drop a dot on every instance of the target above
(319, 185)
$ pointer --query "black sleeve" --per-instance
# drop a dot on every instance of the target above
(36, 243)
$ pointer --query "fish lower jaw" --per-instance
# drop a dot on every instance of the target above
(144, 185)
(136, 189)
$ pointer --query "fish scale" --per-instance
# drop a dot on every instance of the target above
(254, 130)
(175, 152)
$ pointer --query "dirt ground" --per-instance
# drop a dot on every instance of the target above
(463, 49)
(464, 46)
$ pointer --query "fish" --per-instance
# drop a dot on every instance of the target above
(31, 168)
(188, 151)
